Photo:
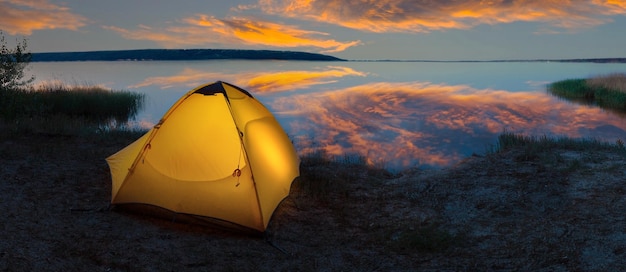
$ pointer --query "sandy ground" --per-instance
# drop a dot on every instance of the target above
(561, 211)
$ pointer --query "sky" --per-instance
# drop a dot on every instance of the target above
(348, 29)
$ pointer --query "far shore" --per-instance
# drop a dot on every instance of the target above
(240, 54)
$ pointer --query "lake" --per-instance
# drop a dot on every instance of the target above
(396, 114)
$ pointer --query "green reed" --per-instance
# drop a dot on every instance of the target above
(61, 109)
(608, 92)
(92, 103)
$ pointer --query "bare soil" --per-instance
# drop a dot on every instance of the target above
(560, 211)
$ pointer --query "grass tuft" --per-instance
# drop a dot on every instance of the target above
(576, 89)
(429, 238)
(508, 140)
(616, 82)
(608, 92)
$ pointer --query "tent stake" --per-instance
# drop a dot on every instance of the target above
(277, 247)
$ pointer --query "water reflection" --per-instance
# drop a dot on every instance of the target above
(395, 114)
(188, 77)
(294, 80)
(422, 124)
(261, 82)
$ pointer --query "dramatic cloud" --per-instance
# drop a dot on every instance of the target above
(23, 17)
(418, 123)
(258, 83)
(613, 6)
(203, 30)
(427, 15)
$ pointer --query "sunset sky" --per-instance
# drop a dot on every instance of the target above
(349, 29)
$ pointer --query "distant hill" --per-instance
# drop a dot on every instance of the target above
(594, 60)
(180, 54)
(599, 60)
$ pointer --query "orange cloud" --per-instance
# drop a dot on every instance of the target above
(24, 17)
(419, 123)
(612, 6)
(426, 15)
(204, 29)
(258, 83)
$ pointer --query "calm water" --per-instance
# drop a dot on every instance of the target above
(397, 114)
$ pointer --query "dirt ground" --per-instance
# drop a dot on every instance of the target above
(561, 211)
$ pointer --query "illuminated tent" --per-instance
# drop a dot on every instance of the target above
(217, 153)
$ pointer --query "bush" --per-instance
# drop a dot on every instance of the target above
(13, 63)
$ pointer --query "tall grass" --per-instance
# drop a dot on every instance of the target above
(91, 102)
(608, 91)
(55, 107)
(616, 81)
(572, 88)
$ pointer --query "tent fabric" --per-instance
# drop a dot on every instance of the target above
(217, 152)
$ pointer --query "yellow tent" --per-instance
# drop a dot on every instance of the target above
(218, 152)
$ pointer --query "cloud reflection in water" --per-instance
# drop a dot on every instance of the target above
(261, 82)
(408, 124)
(403, 124)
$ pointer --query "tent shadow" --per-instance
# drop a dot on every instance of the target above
(187, 223)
